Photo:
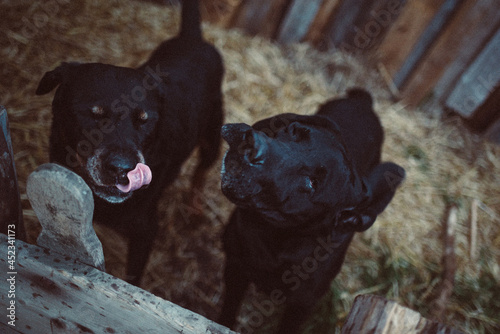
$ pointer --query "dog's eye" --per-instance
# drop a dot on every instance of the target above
(97, 111)
(142, 116)
(298, 132)
(312, 184)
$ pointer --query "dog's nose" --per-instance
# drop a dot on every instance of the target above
(118, 166)
(253, 145)
(233, 133)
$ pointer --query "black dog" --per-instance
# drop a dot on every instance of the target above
(122, 128)
(303, 185)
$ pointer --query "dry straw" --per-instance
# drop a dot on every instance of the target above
(444, 162)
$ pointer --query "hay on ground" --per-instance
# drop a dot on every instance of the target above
(399, 257)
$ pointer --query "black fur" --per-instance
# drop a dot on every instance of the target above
(303, 185)
(106, 119)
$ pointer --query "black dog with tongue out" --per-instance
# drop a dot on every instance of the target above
(303, 185)
(122, 129)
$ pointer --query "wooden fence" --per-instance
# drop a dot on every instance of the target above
(60, 286)
(444, 51)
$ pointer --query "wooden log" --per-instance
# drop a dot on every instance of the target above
(459, 34)
(64, 205)
(11, 218)
(53, 293)
(403, 35)
(376, 315)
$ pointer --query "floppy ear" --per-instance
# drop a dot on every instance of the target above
(55, 77)
(381, 186)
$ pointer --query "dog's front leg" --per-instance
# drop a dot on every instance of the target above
(294, 317)
(141, 239)
(236, 285)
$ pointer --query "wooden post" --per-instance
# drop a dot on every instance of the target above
(376, 315)
(11, 214)
(64, 205)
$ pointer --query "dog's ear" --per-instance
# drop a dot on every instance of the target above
(55, 77)
(380, 187)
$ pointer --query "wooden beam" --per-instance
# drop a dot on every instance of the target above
(458, 34)
(376, 315)
(52, 293)
(343, 22)
(476, 84)
(359, 26)
(11, 218)
(404, 33)
(326, 12)
(298, 19)
(261, 17)
(428, 37)
(464, 58)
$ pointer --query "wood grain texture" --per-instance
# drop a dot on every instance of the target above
(58, 294)
(11, 220)
(458, 34)
(376, 315)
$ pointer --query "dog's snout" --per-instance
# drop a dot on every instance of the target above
(233, 133)
(256, 147)
(118, 166)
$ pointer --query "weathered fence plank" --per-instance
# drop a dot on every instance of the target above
(459, 33)
(428, 37)
(315, 34)
(11, 219)
(261, 17)
(64, 205)
(359, 26)
(343, 23)
(376, 315)
(478, 81)
(405, 32)
(296, 24)
(53, 293)
(466, 56)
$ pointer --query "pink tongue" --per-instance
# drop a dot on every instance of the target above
(137, 178)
